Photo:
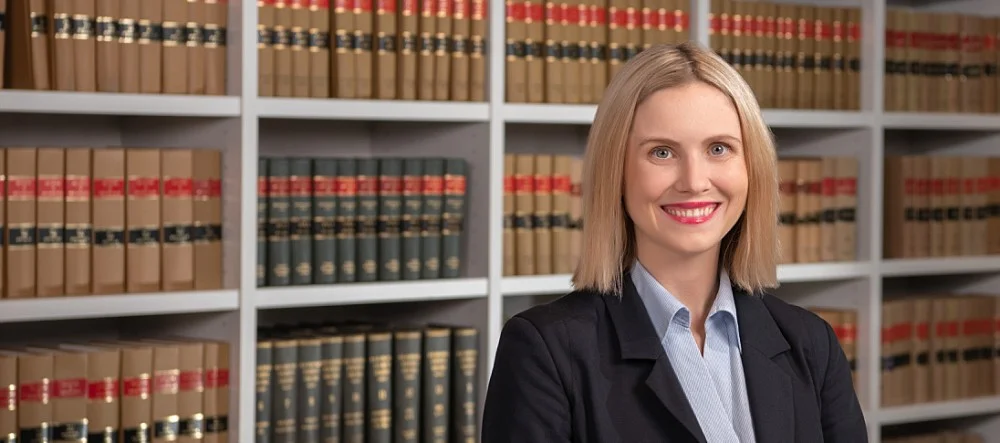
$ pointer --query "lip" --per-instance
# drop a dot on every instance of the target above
(691, 219)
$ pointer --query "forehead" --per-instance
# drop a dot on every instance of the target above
(687, 113)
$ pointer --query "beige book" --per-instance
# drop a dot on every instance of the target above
(406, 60)
(298, 11)
(788, 200)
(575, 210)
(194, 42)
(216, 21)
(129, 61)
(571, 53)
(554, 81)
(21, 164)
(363, 31)
(265, 48)
(103, 388)
(143, 219)
(600, 64)
(425, 64)
(61, 60)
(177, 219)
(35, 371)
(107, 46)
(51, 219)
(342, 61)
(534, 47)
(108, 259)
(216, 394)
(542, 212)
(561, 195)
(319, 48)
(385, 58)
(84, 45)
(28, 46)
(461, 28)
(524, 209)
(847, 208)
(509, 202)
(477, 51)
(828, 209)
(151, 14)
(8, 396)
(207, 219)
(443, 32)
(282, 42)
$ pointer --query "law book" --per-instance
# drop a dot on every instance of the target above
(436, 385)
(432, 193)
(561, 237)
(9, 393)
(407, 373)
(788, 209)
(214, 42)
(282, 41)
(109, 211)
(307, 388)
(194, 45)
(284, 402)
(299, 47)
(278, 223)
(458, 51)
(137, 384)
(101, 385)
(191, 390)
(379, 387)
(217, 392)
(453, 217)
(150, 34)
(35, 371)
(576, 210)
(324, 232)
(177, 219)
(477, 50)
(264, 382)
(60, 34)
(4, 25)
(408, 29)
(5, 239)
(207, 219)
(343, 60)
(265, 48)
(515, 64)
(542, 214)
(390, 200)
(50, 223)
(28, 45)
(21, 236)
(385, 52)
(127, 39)
(426, 67)
(463, 405)
(144, 217)
(534, 50)
(354, 397)
(300, 216)
(318, 45)
(524, 209)
(364, 47)
(332, 375)
(366, 219)
(599, 46)
(84, 45)
(554, 85)
(410, 224)
(346, 225)
(509, 204)
(263, 225)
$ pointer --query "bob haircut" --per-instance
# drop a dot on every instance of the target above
(751, 250)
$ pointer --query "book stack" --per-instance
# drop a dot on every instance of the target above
(793, 56)
(845, 325)
(818, 205)
(110, 220)
(139, 390)
(410, 50)
(128, 46)
(568, 52)
(360, 382)
(940, 62)
(939, 347)
(341, 220)
(941, 206)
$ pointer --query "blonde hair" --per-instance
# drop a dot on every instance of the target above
(750, 251)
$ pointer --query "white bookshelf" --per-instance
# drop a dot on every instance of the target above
(246, 126)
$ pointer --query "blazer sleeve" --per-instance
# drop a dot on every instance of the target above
(842, 417)
(525, 401)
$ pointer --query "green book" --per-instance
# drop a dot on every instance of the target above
(333, 370)
(411, 216)
(464, 385)
(265, 388)
(379, 387)
(324, 212)
(284, 415)
(406, 393)
(308, 389)
(367, 216)
(430, 221)
(300, 220)
(354, 388)
(453, 217)
(262, 203)
(436, 384)
(278, 249)
(347, 203)
(389, 217)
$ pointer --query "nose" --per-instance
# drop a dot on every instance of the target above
(694, 175)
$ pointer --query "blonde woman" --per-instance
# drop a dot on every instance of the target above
(670, 335)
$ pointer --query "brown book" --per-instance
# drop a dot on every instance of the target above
(569, 58)
(216, 396)
(165, 392)
(406, 60)
(61, 59)
(8, 396)
(786, 76)
(194, 41)
(363, 30)
(828, 209)
(385, 50)
(477, 51)
(534, 32)
(108, 259)
(214, 42)
(822, 58)
(425, 63)
(847, 204)
(137, 379)
(28, 46)
(575, 210)
(281, 42)
(319, 48)
(898, 210)
(298, 11)
(924, 205)
(342, 61)
(561, 188)
(805, 51)
(177, 219)
(524, 209)
(514, 52)
(599, 47)
(554, 84)
(461, 27)
(142, 205)
(582, 47)
(175, 52)
(51, 219)
(35, 371)
(938, 206)
(68, 390)
(509, 204)
(151, 44)
(129, 61)
(952, 205)
(190, 391)
(542, 212)
(265, 47)
(107, 68)
(788, 218)
(207, 219)
(84, 45)
(3, 219)
(617, 36)
(102, 389)
(21, 222)
(79, 230)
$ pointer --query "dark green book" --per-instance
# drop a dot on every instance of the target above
(265, 389)
(436, 384)
(354, 388)
(453, 217)
(308, 389)
(410, 223)
(464, 385)
(347, 204)
(261, 222)
(390, 200)
(284, 415)
(430, 221)
(330, 404)
(367, 217)
(406, 385)
(324, 207)
(300, 220)
(379, 381)
(278, 249)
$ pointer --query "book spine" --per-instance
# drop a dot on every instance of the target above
(300, 220)
(51, 222)
(367, 217)
(411, 217)
(561, 187)
(343, 82)
(389, 215)
(265, 390)
(137, 387)
(284, 404)
(407, 394)
(354, 396)
(524, 204)
(214, 42)
(379, 387)
(265, 48)
(385, 59)
(281, 42)
(425, 62)
(191, 393)
(465, 379)
(21, 222)
(430, 224)
(308, 390)
(332, 350)
(207, 236)
(79, 230)
(347, 210)
(217, 392)
(453, 217)
(262, 221)
(509, 243)
(363, 27)
(150, 37)
(436, 374)
(108, 257)
(127, 40)
(319, 48)
(165, 384)
(406, 60)
(542, 214)
(174, 52)
(459, 50)
(178, 219)
(324, 233)
(278, 199)
(194, 46)
(143, 220)
(299, 47)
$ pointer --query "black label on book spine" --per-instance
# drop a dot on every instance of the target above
(106, 435)
(144, 236)
(23, 235)
(69, 431)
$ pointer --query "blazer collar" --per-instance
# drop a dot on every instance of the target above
(769, 386)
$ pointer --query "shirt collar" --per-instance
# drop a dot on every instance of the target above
(658, 300)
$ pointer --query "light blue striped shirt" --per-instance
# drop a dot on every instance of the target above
(714, 383)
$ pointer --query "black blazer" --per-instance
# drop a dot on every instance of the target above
(589, 367)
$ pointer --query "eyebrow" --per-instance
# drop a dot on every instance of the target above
(669, 141)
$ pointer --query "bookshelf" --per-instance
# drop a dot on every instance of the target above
(245, 126)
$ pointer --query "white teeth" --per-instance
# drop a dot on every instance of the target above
(700, 212)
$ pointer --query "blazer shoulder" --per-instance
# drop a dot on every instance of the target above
(579, 306)
(802, 328)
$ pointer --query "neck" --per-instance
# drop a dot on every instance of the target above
(694, 280)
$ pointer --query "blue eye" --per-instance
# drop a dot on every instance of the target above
(719, 149)
(660, 153)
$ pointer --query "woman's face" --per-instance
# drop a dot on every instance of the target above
(685, 172)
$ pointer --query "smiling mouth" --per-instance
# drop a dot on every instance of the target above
(691, 213)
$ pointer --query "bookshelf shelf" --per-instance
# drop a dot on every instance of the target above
(52, 102)
(941, 121)
(938, 411)
(370, 293)
(536, 285)
(940, 266)
(371, 110)
(548, 113)
(813, 119)
(815, 272)
(119, 305)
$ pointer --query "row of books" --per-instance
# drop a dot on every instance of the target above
(939, 347)
(818, 203)
(941, 206)
(338, 220)
(137, 390)
(382, 49)
(941, 436)
(128, 46)
(568, 52)
(542, 213)
(793, 56)
(845, 326)
(360, 382)
(940, 61)
(81, 221)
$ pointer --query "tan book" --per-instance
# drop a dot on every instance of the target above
(953, 206)
(542, 214)
(151, 48)
(177, 219)
(385, 50)
(509, 204)
(68, 391)
(106, 46)
(194, 42)
(51, 219)
(84, 45)
(988, 54)
(951, 93)
(924, 206)
(319, 48)
(554, 84)
(102, 389)
(61, 58)
(298, 11)
(786, 76)
(534, 49)
(214, 42)
(839, 61)
(265, 48)
(575, 210)
(108, 259)
(137, 422)
(633, 38)
(617, 36)
(968, 202)
(129, 61)
(828, 209)
(216, 395)
(805, 43)
(738, 46)
(191, 391)
(571, 52)
(682, 21)
(425, 63)
(583, 55)
(920, 354)
(524, 209)
(28, 46)
(847, 208)
(822, 58)
(461, 27)
(938, 204)
(477, 51)
(143, 218)
(600, 49)
(406, 60)
(982, 206)
(8, 396)
(35, 371)
(342, 61)
(363, 30)
(897, 206)
(207, 219)
(953, 366)
(21, 164)
(3, 216)
(516, 70)
(281, 42)
(166, 381)
(788, 200)
(561, 194)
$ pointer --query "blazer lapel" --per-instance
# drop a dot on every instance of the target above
(637, 340)
(769, 385)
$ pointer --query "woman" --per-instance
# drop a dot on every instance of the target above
(669, 336)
